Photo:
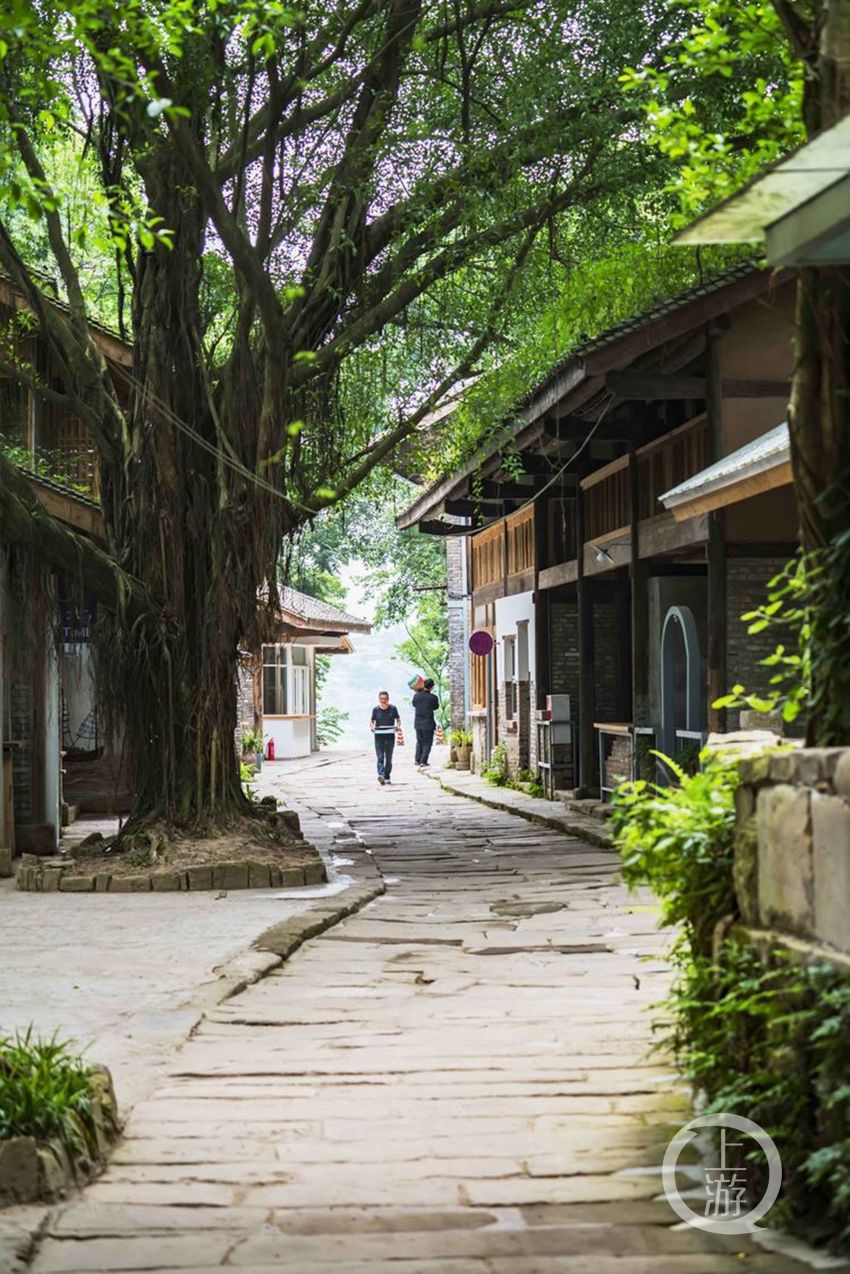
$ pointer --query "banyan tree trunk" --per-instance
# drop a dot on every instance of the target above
(819, 421)
(196, 536)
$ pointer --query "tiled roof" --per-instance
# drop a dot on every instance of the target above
(310, 610)
(771, 449)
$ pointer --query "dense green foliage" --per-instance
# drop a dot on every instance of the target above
(46, 1093)
(763, 1037)
(724, 100)
(680, 841)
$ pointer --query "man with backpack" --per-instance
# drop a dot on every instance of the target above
(425, 704)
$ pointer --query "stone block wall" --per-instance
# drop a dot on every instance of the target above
(746, 588)
(245, 718)
(792, 851)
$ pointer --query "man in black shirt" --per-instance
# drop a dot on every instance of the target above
(384, 723)
(425, 703)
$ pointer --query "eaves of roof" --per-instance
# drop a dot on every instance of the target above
(612, 350)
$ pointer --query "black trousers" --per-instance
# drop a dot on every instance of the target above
(384, 745)
(424, 742)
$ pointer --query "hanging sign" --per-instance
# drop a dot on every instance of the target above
(481, 642)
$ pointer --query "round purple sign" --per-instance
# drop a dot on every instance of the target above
(480, 642)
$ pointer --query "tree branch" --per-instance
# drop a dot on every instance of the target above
(461, 371)
(28, 524)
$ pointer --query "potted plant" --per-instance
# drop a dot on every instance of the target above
(462, 741)
(252, 749)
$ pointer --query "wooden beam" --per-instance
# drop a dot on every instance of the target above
(577, 429)
(539, 466)
(468, 508)
(651, 386)
(493, 489)
(445, 528)
(586, 663)
(639, 588)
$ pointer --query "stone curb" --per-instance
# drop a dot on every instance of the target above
(52, 876)
(284, 938)
(586, 829)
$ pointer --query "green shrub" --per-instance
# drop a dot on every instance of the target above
(680, 842)
(764, 1037)
(330, 726)
(496, 769)
(45, 1093)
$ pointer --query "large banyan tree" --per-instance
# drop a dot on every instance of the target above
(291, 196)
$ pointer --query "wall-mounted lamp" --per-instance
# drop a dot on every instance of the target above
(602, 555)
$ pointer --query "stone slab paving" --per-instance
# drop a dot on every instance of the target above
(453, 1081)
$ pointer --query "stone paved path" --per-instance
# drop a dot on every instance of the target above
(453, 1081)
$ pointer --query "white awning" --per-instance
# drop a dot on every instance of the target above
(759, 466)
(799, 208)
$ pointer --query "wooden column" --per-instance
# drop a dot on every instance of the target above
(586, 661)
(639, 591)
(716, 654)
(542, 654)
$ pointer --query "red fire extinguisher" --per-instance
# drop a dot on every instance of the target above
(270, 750)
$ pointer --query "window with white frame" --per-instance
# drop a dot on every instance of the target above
(300, 687)
(286, 681)
(275, 681)
(509, 677)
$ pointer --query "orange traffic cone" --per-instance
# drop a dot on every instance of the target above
(441, 738)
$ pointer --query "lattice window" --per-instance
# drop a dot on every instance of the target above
(488, 565)
(521, 541)
(64, 440)
(478, 668)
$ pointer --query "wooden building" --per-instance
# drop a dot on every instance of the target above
(613, 607)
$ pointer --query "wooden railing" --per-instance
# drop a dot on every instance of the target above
(513, 536)
(607, 506)
(661, 465)
(669, 461)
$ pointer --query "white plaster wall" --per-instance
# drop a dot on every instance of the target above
(510, 612)
(292, 736)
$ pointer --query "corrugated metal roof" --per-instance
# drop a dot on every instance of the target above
(766, 452)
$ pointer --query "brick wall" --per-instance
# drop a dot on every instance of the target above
(746, 587)
(245, 722)
(607, 667)
(563, 650)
